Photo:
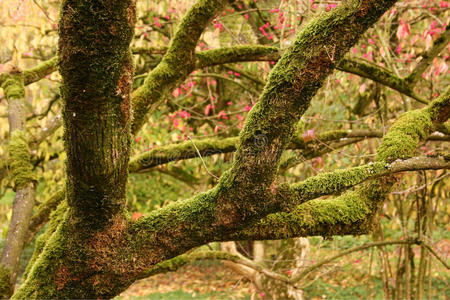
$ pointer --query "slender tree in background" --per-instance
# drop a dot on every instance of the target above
(91, 248)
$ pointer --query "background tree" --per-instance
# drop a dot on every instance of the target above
(93, 248)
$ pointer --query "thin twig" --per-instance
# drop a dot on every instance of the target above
(199, 155)
(429, 248)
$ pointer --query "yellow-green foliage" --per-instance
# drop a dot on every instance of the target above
(19, 159)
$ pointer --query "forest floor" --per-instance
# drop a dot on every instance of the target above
(198, 281)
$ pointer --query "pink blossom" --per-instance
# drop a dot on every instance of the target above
(331, 6)
(248, 108)
(177, 92)
(362, 88)
(403, 30)
(318, 163)
(229, 103)
(222, 115)
(308, 135)
(208, 108)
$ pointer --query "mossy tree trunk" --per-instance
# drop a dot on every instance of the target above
(95, 64)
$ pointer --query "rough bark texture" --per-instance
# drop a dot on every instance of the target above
(96, 68)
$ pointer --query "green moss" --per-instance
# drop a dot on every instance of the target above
(6, 288)
(346, 214)
(334, 182)
(21, 172)
(55, 218)
(439, 109)
(13, 85)
(236, 54)
(96, 67)
(40, 71)
(183, 150)
(403, 137)
(43, 280)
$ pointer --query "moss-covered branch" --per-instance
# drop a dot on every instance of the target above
(380, 75)
(356, 211)
(40, 71)
(178, 62)
(337, 181)
(97, 70)
(22, 178)
(208, 147)
(236, 54)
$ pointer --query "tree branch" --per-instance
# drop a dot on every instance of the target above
(427, 57)
(40, 71)
(23, 179)
(178, 62)
(355, 212)
(207, 147)
(380, 75)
